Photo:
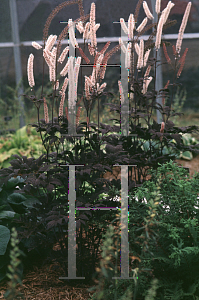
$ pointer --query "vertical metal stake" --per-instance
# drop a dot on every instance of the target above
(72, 227)
(159, 81)
(17, 57)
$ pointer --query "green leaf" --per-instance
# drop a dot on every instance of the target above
(187, 155)
(13, 182)
(16, 198)
(4, 239)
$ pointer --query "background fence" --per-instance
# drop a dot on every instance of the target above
(31, 18)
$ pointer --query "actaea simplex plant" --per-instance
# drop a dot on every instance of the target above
(142, 102)
(46, 178)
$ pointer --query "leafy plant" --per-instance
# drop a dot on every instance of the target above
(25, 141)
(10, 105)
(176, 246)
(163, 239)
(15, 273)
(187, 140)
(107, 270)
(44, 179)
(179, 100)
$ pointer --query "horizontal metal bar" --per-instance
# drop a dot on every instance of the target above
(116, 65)
(125, 165)
(106, 39)
(97, 208)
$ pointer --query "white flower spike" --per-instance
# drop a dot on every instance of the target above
(147, 11)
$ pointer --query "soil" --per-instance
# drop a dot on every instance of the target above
(44, 282)
(193, 165)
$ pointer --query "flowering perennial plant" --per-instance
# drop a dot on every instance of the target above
(46, 174)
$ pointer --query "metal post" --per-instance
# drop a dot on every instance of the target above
(159, 81)
(17, 56)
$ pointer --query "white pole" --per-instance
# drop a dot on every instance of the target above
(17, 56)
(159, 81)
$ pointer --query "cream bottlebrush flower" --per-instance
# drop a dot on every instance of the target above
(142, 25)
(86, 33)
(167, 11)
(63, 55)
(77, 66)
(157, 6)
(99, 61)
(146, 75)
(131, 94)
(53, 63)
(97, 26)
(147, 71)
(46, 111)
(146, 84)
(123, 24)
(50, 42)
(162, 130)
(146, 57)
(93, 76)
(92, 14)
(123, 47)
(121, 91)
(80, 27)
(65, 69)
(182, 27)
(52, 74)
(137, 48)
(30, 70)
(72, 33)
(71, 83)
(53, 55)
(64, 86)
(103, 70)
(89, 80)
(48, 52)
(36, 45)
(162, 127)
(76, 73)
(141, 53)
(61, 106)
(87, 92)
(47, 58)
(159, 31)
(126, 51)
(131, 26)
(147, 11)
(91, 49)
(92, 26)
(101, 88)
(128, 55)
(162, 21)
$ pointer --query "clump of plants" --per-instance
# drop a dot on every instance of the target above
(163, 240)
(39, 205)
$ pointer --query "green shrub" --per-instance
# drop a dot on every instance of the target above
(164, 242)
